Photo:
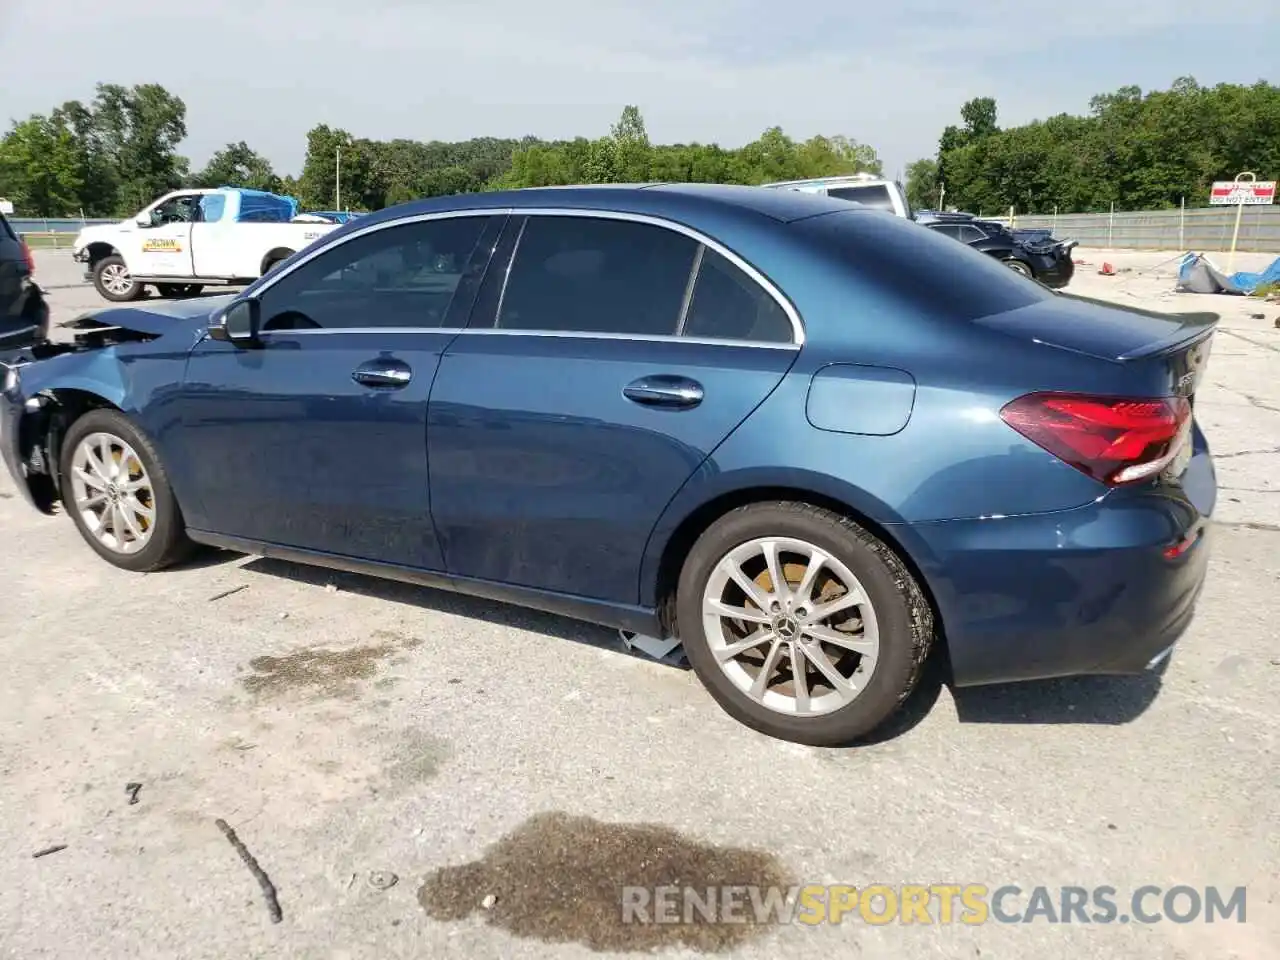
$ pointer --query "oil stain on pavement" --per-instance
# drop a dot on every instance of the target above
(323, 673)
(559, 879)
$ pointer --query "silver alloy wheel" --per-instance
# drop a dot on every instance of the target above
(112, 493)
(790, 626)
(1017, 266)
(115, 277)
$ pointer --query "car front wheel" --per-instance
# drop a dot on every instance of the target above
(118, 494)
(802, 624)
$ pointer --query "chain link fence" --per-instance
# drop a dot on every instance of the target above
(1201, 229)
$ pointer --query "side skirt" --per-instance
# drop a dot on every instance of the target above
(640, 620)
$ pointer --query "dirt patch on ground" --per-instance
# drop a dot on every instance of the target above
(561, 879)
(322, 673)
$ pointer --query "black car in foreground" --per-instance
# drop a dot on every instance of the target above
(24, 315)
(1041, 258)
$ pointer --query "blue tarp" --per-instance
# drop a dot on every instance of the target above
(1197, 275)
(1249, 282)
(258, 206)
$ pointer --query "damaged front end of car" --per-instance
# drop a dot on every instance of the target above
(59, 379)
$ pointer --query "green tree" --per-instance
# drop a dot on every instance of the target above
(139, 129)
(39, 168)
(631, 150)
(236, 165)
(922, 184)
(95, 168)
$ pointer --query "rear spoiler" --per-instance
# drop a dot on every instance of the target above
(1191, 329)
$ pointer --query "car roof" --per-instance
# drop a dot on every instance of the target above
(677, 201)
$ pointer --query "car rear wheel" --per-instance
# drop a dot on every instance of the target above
(802, 624)
(118, 494)
(1017, 266)
(112, 280)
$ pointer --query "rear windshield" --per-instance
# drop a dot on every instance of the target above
(921, 267)
(5, 229)
(874, 195)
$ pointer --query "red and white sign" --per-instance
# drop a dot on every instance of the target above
(1232, 192)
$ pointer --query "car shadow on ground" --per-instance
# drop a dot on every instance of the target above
(1108, 701)
(444, 601)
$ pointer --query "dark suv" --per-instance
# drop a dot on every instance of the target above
(1040, 258)
(24, 314)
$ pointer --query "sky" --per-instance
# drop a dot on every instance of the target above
(889, 74)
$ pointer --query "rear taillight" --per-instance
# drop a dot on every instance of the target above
(26, 255)
(1115, 440)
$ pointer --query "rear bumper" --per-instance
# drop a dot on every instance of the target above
(1103, 589)
(1055, 272)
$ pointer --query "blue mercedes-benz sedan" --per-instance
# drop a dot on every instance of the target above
(809, 440)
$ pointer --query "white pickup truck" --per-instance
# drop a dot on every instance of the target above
(192, 238)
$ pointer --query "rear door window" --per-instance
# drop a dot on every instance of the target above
(597, 275)
(971, 234)
(727, 304)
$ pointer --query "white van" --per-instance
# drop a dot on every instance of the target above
(863, 188)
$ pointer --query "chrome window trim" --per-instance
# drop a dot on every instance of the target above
(562, 334)
(646, 337)
(273, 278)
(797, 325)
(694, 273)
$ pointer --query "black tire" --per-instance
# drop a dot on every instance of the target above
(178, 289)
(275, 262)
(1017, 266)
(110, 264)
(904, 618)
(168, 543)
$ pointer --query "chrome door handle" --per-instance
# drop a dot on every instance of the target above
(383, 373)
(664, 390)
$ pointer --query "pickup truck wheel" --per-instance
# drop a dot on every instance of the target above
(1017, 266)
(112, 281)
(118, 494)
(272, 264)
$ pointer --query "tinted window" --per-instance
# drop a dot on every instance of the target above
(594, 275)
(176, 210)
(971, 234)
(212, 206)
(875, 195)
(921, 269)
(5, 229)
(404, 276)
(727, 304)
(947, 229)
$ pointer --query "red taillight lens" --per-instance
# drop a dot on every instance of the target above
(26, 255)
(1115, 440)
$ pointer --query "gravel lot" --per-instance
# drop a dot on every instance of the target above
(348, 729)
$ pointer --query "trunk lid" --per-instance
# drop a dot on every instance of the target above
(1097, 329)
